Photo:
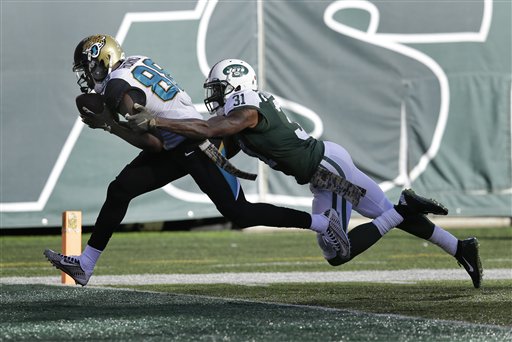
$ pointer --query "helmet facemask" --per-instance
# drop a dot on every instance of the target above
(84, 81)
(216, 91)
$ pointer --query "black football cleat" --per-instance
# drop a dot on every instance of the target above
(468, 256)
(421, 205)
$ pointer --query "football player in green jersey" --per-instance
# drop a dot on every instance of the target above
(258, 126)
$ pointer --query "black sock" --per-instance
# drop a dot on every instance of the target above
(418, 225)
(363, 237)
(403, 210)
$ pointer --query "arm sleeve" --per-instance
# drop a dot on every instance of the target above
(115, 91)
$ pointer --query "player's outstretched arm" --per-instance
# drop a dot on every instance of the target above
(143, 140)
(217, 126)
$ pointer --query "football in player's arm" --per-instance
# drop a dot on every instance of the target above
(95, 114)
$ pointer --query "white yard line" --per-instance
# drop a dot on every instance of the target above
(396, 276)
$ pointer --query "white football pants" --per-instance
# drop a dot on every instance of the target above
(337, 160)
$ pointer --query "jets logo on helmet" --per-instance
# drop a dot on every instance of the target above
(225, 77)
(235, 70)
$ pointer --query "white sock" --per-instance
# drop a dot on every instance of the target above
(389, 219)
(445, 240)
(319, 223)
(89, 258)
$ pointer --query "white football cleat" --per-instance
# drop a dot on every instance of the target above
(335, 238)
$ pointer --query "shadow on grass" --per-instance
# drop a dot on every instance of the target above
(55, 313)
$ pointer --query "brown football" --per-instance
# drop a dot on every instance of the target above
(93, 102)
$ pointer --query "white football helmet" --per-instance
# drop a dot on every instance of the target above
(225, 77)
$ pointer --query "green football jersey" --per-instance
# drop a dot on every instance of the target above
(275, 140)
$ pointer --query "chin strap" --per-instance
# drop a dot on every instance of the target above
(325, 179)
(214, 154)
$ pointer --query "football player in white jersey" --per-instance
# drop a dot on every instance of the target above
(260, 128)
(118, 82)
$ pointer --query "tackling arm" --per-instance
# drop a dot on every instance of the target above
(145, 141)
(217, 126)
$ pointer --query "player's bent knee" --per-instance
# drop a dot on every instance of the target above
(118, 191)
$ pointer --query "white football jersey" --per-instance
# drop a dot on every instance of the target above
(242, 98)
(164, 97)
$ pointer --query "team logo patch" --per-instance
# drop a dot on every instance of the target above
(93, 47)
(236, 70)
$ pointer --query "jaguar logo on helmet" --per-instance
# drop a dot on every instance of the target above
(93, 47)
(235, 70)
(95, 51)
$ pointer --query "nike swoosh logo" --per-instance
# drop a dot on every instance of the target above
(65, 263)
(188, 153)
(467, 263)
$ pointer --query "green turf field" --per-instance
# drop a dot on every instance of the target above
(444, 310)
(64, 314)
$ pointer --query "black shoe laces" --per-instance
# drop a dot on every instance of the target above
(71, 259)
(333, 239)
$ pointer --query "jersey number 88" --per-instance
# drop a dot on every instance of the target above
(161, 83)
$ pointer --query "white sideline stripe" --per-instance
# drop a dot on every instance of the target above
(397, 276)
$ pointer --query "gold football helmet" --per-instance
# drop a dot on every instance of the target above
(94, 58)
